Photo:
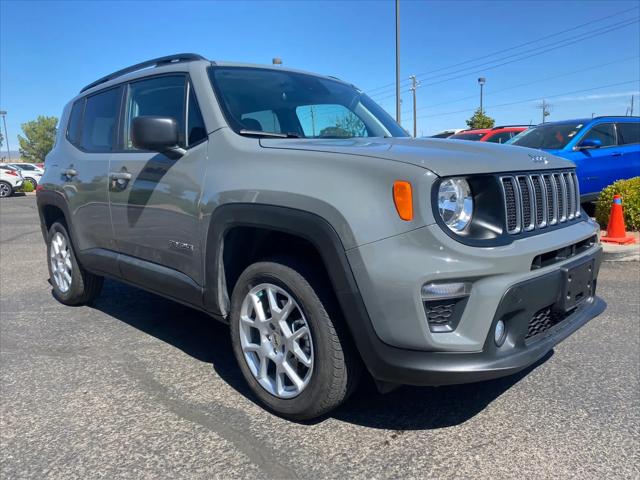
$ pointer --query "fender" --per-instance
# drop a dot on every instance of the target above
(308, 226)
(51, 197)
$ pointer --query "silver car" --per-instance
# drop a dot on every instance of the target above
(292, 207)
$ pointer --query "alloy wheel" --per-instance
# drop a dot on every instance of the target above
(276, 340)
(5, 190)
(60, 258)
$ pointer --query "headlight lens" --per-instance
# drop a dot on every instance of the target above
(455, 203)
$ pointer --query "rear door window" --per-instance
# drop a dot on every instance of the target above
(628, 132)
(100, 121)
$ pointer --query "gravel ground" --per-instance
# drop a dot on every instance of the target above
(136, 386)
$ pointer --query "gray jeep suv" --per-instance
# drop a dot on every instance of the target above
(293, 208)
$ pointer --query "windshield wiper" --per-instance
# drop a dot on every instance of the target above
(259, 133)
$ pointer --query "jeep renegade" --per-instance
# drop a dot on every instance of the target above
(292, 207)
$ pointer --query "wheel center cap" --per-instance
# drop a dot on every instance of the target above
(276, 340)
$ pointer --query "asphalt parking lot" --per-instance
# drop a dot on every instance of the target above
(136, 386)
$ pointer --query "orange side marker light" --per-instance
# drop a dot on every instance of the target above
(403, 199)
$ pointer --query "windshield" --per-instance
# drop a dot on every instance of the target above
(256, 100)
(467, 136)
(550, 137)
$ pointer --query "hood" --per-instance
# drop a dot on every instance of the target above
(443, 157)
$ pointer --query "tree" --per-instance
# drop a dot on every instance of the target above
(40, 135)
(352, 124)
(480, 120)
(1, 139)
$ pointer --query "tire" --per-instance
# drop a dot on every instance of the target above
(335, 365)
(6, 190)
(76, 286)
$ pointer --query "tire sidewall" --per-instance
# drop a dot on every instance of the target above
(317, 319)
(76, 278)
(10, 188)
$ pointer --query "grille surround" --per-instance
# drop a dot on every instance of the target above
(534, 201)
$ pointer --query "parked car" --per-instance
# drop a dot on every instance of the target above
(30, 172)
(10, 180)
(326, 245)
(604, 149)
(446, 133)
(500, 134)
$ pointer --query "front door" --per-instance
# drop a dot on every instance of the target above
(155, 199)
(597, 167)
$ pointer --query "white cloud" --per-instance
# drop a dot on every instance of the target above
(596, 96)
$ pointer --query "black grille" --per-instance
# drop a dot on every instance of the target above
(526, 202)
(537, 200)
(543, 320)
(440, 314)
(510, 200)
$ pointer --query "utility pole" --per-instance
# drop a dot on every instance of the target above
(398, 61)
(313, 121)
(3, 113)
(631, 114)
(545, 107)
(414, 85)
(481, 82)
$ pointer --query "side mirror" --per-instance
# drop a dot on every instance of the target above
(590, 143)
(157, 134)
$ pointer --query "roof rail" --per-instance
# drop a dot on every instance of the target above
(507, 126)
(156, 62)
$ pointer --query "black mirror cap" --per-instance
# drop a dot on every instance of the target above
(157, 134)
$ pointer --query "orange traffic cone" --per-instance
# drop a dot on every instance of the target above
(616, 232)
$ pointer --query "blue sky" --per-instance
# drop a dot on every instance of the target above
(49, 50)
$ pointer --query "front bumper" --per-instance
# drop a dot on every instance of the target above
(517, 307)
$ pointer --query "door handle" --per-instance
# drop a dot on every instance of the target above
(70, 173)
(120, 176)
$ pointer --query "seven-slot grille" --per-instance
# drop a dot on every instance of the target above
(538, 200)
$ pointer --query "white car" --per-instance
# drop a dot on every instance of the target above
(10, 180)
(30, 172)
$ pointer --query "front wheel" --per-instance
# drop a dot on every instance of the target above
(5, 189)
(286, 343)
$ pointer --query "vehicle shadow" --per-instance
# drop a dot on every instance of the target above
(207, 340)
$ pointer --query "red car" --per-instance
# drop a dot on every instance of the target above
(496, 134)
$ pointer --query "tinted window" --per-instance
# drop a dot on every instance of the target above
(467, 136)
(499, 137)
(553, 136)
(196, 130)
(73, 128)
(242, 91)
(99, 121)
(603, 132)
(628, 132)
(160, 96)
(330, 121)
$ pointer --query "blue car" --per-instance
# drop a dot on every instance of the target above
(604, 149)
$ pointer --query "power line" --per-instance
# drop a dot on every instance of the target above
(566, 74)
(532, 99)
(577, 27)
(567, 42)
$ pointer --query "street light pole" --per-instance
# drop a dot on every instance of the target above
(398, 61)
(481, 82)
(414, 85)
(3, 113)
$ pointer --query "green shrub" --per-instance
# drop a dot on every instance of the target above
(26, 187)
(629, 190)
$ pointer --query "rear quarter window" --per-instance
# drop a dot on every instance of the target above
(75, 122)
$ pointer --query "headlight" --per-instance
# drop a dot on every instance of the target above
(455, 203)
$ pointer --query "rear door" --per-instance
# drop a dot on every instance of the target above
(629, 145)
(155, 199)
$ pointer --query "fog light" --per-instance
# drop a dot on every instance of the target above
(439, 291)
(500, 331)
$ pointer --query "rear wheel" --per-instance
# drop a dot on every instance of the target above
(72, 284)
(5, 189)
(286, 343)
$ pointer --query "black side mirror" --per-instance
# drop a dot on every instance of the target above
(157, 134)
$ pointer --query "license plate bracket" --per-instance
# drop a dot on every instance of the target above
(577, 285)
